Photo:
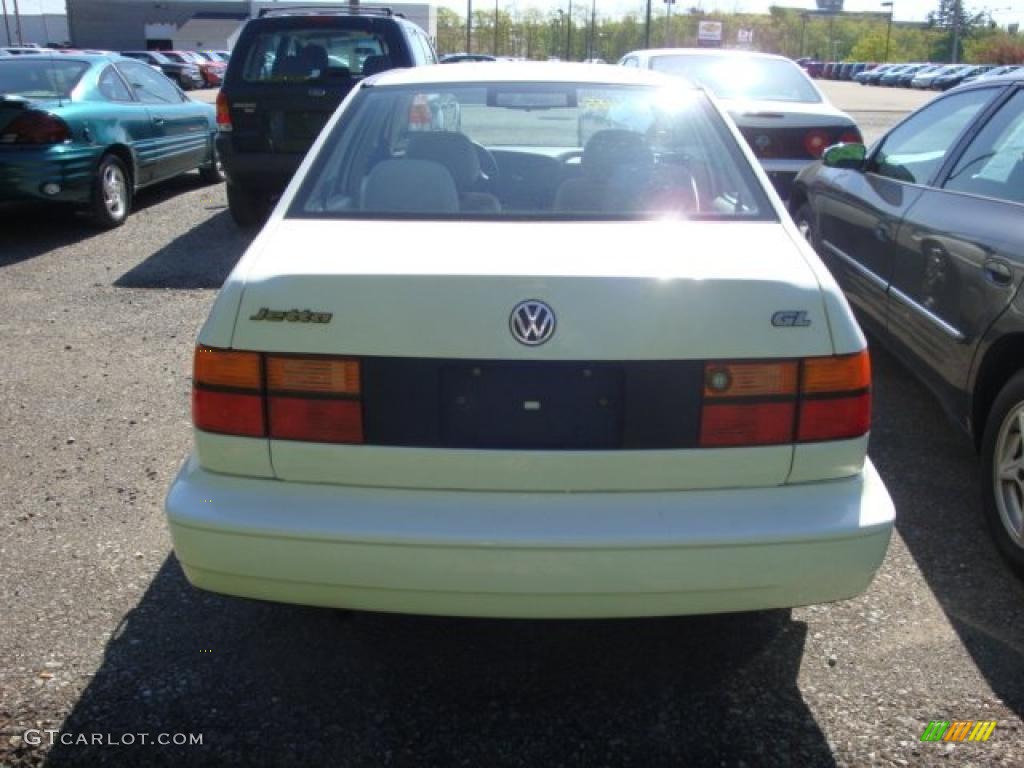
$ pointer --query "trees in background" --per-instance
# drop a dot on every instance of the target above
(535, 34)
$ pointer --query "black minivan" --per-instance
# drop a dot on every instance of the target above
(289, 71)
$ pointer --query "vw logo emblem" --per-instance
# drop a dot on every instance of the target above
(532, 322)
(762, 141)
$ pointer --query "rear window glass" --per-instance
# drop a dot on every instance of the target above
(535, 151)
(742, 77)
(40, 78)
(303, 54)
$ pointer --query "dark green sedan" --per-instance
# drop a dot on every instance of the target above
(91, 130)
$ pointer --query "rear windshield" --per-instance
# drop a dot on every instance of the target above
(535, 151)
(315, 53)
(40, 78)
(742, 77)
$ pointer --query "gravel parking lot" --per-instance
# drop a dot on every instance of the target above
(102, 637)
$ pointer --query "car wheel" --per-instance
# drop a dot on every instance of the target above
(804, 220)
(1002, 462)
(248, 209)
(214, 172)
(111, 192)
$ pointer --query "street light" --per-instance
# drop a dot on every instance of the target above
(568, 35)
(469, 26)
(888, 29)
(495, 28)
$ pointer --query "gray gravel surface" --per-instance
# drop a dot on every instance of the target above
(100, 633)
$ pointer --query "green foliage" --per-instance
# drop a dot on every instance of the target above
(854, 37)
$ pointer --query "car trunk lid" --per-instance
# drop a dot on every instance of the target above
(450, 399)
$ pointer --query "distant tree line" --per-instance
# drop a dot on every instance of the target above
(535, 34)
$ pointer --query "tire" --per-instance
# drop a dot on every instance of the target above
(248, 209)
(1003, 497)
(111, 193)
(804, 220)
(214, 172)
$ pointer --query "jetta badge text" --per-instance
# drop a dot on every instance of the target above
(291, 316)
(532, 322)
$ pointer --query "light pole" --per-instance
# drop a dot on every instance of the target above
(668, 23)
(469, 26)
(593, 22)
(568, 35)
(956, 31)
(803, 30)
(495, 28)
(7, 26)
(888, 30)
(647, 26)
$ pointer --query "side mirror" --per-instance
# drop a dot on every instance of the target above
(849, 156)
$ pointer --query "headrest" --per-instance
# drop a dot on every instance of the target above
(410, 186)
(611, 149)
(377, 63)
(452, 150)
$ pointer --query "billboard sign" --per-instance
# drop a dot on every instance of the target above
(830, 6)
(709, 32)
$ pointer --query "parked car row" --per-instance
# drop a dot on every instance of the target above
(923, 75)
(190, 69)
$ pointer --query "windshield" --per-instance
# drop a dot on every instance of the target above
(40, 78)
(742, 77)
(535, 151)
(290, 54)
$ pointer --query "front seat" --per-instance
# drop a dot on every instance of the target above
(377, 63)
(409, 186)
(614, 162)
(456, 153)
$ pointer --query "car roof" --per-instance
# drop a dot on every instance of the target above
(724, 52)
(89, 58)
(525, 71)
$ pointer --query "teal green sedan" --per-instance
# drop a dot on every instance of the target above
(92, 130)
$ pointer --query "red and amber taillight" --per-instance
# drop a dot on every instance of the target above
(815, 142)
(771, 403)
(286, 397)
(223, 112)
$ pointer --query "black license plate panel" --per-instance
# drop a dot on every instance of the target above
(549, 405)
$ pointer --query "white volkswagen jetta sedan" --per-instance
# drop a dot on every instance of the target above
(485, 371)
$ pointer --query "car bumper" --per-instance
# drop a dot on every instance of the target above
(267, 172)
(24, 172)
(783, 173)
(530, 555)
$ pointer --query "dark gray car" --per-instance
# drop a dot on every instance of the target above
(925, 234)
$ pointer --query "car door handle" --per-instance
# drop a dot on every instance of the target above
(998, 272)
(882, 232)
(158, 121)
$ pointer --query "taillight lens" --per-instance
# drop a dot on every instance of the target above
(35, 127)
(284, 397)
(851, 136)
(223, 112)
(227, 392)
(815, 142)
(771, 403)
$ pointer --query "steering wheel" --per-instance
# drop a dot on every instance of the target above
(488, 165)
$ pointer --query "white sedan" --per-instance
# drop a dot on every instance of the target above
(781, 113)
(491, 372)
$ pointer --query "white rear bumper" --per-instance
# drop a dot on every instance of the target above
(530, 555)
